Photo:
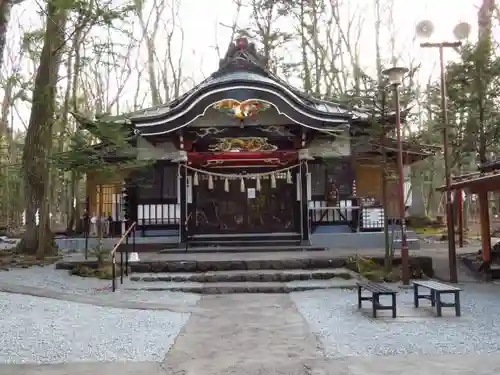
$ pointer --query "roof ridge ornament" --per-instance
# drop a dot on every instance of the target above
(242, 49)
(243, 54)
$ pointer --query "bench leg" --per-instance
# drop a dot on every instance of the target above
(433, 298)
(415, 295)
(457, 304)
(393, 305)
(437, 296)
(375, 303)
(359, 297)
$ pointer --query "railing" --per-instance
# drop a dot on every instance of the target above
(125, 236)
(158, 214)
(349, 215)
(158, 218)
(345, 212)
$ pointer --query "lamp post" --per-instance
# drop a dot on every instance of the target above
(395, 77)
(461, 31)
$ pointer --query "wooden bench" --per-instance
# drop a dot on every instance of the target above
(436, 290)
(376, 291)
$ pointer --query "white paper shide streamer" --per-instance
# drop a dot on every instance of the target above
(286, 172)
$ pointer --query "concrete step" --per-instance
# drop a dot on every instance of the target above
(242, 287)
(247, 276)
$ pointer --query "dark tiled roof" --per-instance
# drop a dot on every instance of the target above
(489, 166)
(245, 65)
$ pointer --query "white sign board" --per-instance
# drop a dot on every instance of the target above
(251, 193)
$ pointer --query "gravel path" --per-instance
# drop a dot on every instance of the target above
(344, 331)
(60, 281)
(39, 330)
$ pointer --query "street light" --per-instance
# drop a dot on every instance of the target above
(461, 31)
(395, 77)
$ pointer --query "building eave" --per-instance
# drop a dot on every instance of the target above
(474, 182)
(489, 166)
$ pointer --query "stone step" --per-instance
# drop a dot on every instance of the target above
(269, 244)
(191, 263)
(247, 276)
(241, 287)
(156, 263)
(248, 248)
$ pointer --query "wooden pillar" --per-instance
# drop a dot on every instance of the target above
(460, 217)
(303, 156)
(304, 201)
(183, 202)
(182, 193)
(485, 225)
(132, 204)
(100, 209)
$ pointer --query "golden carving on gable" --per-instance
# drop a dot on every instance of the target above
(241, 110)
(246, 144)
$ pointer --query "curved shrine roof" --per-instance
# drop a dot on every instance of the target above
(243, 78)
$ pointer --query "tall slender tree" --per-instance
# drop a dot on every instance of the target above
(5, 9)
(36, 170)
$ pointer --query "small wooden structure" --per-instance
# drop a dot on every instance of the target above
(486, 179)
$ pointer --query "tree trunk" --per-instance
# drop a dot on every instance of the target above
(35, 159)
(5, 142)
(483, 50)
(74, 222)
(5, 136)
(5, 8)
(74, 201)
(307, 85)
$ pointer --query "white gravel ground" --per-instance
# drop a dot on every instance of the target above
(39, 330)
(60, 281)
(344, 331)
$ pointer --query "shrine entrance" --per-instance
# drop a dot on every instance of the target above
(233, 206)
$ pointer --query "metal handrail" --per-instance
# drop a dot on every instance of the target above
(113, 257)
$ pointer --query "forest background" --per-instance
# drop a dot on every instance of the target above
(90, 57)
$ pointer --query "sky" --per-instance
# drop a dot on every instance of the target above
(201, 24)
(445, 14)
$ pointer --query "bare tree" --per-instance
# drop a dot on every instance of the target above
(5, 9)
(262, 28)
(149, 37)
(170, 69)
(13, 89)
(233, 27)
